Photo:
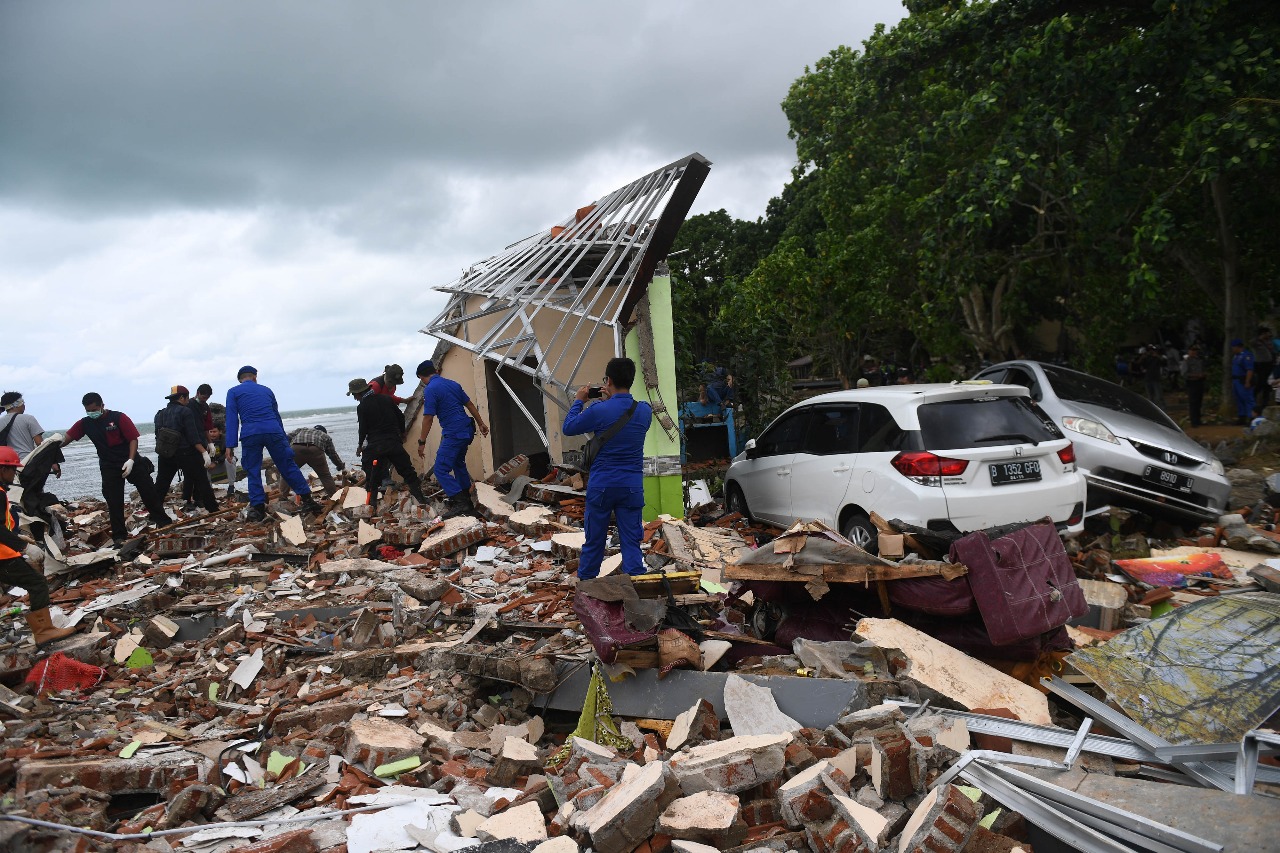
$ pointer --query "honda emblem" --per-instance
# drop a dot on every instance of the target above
(1017, 451)
(1170, 457)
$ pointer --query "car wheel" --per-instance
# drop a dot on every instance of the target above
(859, 530)
(735, 501)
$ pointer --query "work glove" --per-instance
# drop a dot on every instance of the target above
(35, 556)
(126, 468)
(208, 463)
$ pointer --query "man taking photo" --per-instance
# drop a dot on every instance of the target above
(615, 485)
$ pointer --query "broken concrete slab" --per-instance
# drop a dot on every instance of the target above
(374, 742)
(625, 817)
(731, 765)
(696, 725)
(752, 710)
(953, 674)
(942, 823)
(521, 823)
(707, 816)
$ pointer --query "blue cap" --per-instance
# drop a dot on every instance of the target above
(1237, 342)
(426, 368)
(248, 368)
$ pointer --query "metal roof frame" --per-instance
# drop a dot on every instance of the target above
(592, 269)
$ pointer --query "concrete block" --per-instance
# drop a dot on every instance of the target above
(708, 816)
(893, 768)
(560, 844)
(624, 819)
(697, 725)
(141, 774)
(942, 823)
(868, 719)
(522, 823)
(678, 846)
(459, 532)
(159, 632)
(418, 585)
(731, 765)
(806, 798)
(517, 758)
(374, 742)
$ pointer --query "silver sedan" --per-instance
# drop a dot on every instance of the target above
(1130, 451)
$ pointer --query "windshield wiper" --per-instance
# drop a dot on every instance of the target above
(1005, 435)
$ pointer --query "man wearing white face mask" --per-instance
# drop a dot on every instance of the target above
(116, 439)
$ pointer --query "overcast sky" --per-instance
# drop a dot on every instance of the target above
(188, 187)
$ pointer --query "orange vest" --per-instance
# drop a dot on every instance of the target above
(11, 523)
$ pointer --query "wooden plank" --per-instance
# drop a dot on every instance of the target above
(845, 573)
(251, 802)
(675, 541)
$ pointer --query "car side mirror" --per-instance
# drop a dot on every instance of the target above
(750, 448)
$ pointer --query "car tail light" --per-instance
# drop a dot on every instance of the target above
(1067, 454)
(1077, 512)
(927, 468)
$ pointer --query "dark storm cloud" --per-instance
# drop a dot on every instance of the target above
(129, 105)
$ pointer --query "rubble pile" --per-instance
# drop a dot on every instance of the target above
(413, 682)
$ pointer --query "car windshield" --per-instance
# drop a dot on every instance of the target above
(1082, 388)
(983, 422)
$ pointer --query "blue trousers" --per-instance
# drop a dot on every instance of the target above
(277, 444)
(625, 504)
(1244, 397)
(451, 464)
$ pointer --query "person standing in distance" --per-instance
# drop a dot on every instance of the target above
(443, 398)
(253, 417)
(116, 439)
(615, 485)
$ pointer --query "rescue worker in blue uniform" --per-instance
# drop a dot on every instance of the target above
(1242, 380)
(253, 417)
(444, 399)
(615, 485)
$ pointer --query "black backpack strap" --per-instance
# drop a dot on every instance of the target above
(617, 425)
(8, 428)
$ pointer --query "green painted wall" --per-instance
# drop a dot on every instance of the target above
(663, 484)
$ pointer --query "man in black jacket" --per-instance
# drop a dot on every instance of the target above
(381, 441)
(187, 452)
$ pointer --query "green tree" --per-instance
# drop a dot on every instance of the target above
(984, 165)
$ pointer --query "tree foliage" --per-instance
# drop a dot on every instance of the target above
(986, 165)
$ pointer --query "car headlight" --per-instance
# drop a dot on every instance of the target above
(1216, 466)
(1093, 429)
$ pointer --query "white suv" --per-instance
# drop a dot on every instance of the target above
(956, 457)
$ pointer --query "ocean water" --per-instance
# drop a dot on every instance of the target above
(80, 477)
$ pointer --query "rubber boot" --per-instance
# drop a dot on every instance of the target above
(257, 512)
(42, 628)
(309, 504)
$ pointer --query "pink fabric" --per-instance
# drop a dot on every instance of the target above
(1023, 582)
(606, 627)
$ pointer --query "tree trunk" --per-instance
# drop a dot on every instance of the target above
(1235, 313)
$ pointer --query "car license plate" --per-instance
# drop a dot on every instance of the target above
(1003, 473)
(1168, 479)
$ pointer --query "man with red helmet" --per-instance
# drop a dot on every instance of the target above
(14, 568)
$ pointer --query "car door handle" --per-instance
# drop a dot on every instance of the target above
(841, 469)
(784, 472)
